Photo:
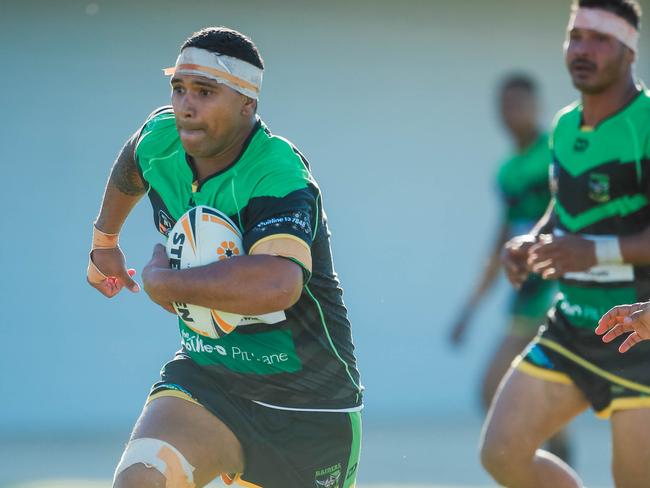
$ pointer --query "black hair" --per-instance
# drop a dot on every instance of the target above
(630, 10)
(226, 41)
(520, 81)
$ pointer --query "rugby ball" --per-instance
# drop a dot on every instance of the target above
(202, 236)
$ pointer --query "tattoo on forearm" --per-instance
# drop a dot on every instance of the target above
(125, 176)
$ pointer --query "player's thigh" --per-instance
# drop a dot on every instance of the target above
(526, 412)
(204, 440)
(631, 447)
(511, 346)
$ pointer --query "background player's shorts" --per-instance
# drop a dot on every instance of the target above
(609, 380)
(281, 448)
(529, 305)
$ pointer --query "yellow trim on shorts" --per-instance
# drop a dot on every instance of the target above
(628, 403)
(172, 393)
(612, 378)
(245, 483)
(543, 374)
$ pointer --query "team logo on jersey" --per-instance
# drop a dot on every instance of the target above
(581, 144)
(599, 187)
(165, 222)
(328, 477)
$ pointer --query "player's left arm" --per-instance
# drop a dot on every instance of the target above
(270, 277)
(558, 255)
(249, 285)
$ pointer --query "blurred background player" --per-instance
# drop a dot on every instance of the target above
(523, 182)
(600, 252)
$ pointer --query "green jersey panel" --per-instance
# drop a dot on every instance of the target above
(601, 184)
(601, 175)
(523, 181)
(306, 361)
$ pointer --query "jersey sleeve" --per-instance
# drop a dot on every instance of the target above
(156, 137)
(283, 225)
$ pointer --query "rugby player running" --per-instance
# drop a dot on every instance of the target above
(287, 412)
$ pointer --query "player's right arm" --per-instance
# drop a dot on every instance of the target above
(484, 285)
(107, 270)
(516, 250)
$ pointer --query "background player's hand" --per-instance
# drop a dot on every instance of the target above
(151, 280)
(515, 258)
(112, 264)
(459, 329)
(620, 320)
(554, 256)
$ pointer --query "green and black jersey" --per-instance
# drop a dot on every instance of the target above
(601, 186)
(306, 361)
(523, 183)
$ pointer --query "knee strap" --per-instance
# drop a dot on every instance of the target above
(161, 456)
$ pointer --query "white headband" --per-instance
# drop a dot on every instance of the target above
(605, 22)
(230, 71)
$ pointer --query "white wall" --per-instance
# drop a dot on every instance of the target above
(392, 103)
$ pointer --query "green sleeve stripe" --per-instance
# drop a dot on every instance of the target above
(621, 207)
(355, 450)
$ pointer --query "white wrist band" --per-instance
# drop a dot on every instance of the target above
(608, 251)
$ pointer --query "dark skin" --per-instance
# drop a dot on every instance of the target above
(601, 68)
(233, 285)
(124, 189)
(213, 122)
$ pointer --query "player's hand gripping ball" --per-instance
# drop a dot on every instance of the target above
(202, 236)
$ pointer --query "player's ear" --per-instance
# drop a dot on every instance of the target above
(630, 55)
(249, 108)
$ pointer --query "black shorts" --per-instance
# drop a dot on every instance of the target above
(282, 448)
(574, 355)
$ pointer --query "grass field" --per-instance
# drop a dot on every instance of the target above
(107, 484)
(429, 453)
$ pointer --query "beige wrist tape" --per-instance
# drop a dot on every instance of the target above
(101, 240)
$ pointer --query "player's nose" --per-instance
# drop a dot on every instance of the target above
(187, 107)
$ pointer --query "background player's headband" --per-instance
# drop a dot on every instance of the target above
(607, 23)
(230, 71)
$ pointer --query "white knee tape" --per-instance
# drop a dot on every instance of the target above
(161, 456)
